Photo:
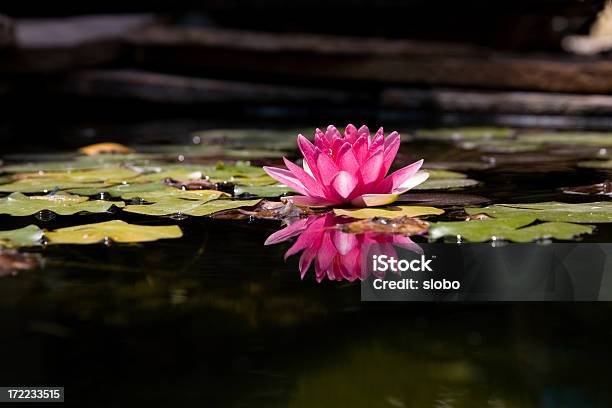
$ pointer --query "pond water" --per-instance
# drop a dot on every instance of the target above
(216, 318)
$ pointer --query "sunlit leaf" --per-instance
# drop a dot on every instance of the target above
(571, 138)
(18, 204)
(435, 174)
(388, 212)
(597, 212)
(116, 230)
(173, 205)
(22, 237)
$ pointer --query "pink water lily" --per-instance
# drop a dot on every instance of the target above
(337, 255)
(348, 169)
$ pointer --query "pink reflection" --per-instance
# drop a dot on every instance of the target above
(336, 255)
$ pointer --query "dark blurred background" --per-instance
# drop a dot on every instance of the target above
(94, 66)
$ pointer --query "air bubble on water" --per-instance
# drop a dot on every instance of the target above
(602, 152)
(107, 241)
(41, 172)
(125, 183)
(459, 239)
(180, 158)
(103, 196)
(497, 242)
(45, 215)
(196, 140)
(251, 219)
(178, 216)
(184, 188)
(44, 241)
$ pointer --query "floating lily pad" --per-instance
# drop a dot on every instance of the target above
(389, 212)
(597, 212)
(174, 205)
(156, 196)
(444, 174)
(116, 230)
(571, 138)
(500, 146)
(464, 133)
(596, 164)
(22, 237)
(456, 165)
(18, 204)
(446, 184)
(514, 228)
(44, 185)
(443, 199)
(274, 190)
(123, 189)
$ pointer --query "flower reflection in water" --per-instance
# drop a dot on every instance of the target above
(337, 255)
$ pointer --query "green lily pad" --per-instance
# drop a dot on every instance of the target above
(123, 189)
(596, 164)
(464, 133)
(440, 174)
(18, 204)
(170, 206)
(22, 237)
(445, 184)
(596, 212)
(596, 139)
(45, 185)
(116, 230)
(514, 229)
(274, 190)
(500, 146)
(389, 212)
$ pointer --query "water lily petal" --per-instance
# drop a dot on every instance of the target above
(311, 185)
(377, 141)
(360, 148)
(344, 183)
(344, 242)
(287, 178)
(287, 232)
(372, 169)
(306, 201)
(391, 149)
(398, 177)
(412, 182)
(364, 131)
(332, 133)
(327, 168)
(347, 160)
(308, 151)
(350, 134)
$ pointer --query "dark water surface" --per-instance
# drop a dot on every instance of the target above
(217, 319)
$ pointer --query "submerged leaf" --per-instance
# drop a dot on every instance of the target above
(401, 225)
(388, 212)
(22, 237)
(597, 212)
(18, 204)
(173, 205)
(509, 229)
(116, 230)
(571, 138)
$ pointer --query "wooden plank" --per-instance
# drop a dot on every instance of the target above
(492, 102)
(375, 60)
(52, 45)
(173, 89)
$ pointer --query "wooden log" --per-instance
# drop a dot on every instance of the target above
(375, 60)
(173, 89)
(66, 43)
(491, 102)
